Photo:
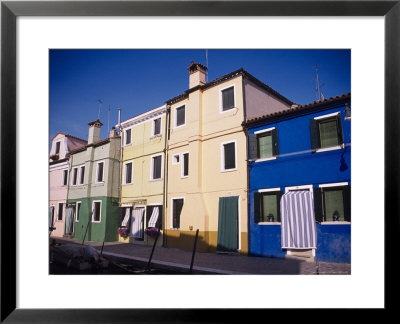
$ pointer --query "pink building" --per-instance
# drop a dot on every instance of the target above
(61, 145)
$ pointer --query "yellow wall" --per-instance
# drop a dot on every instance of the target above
(205, 129)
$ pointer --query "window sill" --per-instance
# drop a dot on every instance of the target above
(222, 111)
(155, 180)
(184, 177)
(265, 159)
(99, 183)
(174, 229)
(127, 145)
(179, 126)
(127, 184)
(336, 223)
(155, 136)
(229, 170)
(333, 148)
(269, 223)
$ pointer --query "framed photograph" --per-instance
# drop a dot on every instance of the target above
(30, 29)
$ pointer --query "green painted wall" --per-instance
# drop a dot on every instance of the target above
(106, 229)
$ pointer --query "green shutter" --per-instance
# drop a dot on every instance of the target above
(227, 240)
(318, 205)
(278, 202)
(257, 207)
(252, 146)
(275, 142)
(347, 203)
(314, 134)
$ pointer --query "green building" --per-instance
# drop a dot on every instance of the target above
(92, 199)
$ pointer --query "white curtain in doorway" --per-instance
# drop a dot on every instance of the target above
(298, 222)
(137, 222)
(69, 219)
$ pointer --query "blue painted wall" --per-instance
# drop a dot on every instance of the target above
(296, 165)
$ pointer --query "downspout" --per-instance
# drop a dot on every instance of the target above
(247, 164)
(120, 159)
(165, 197)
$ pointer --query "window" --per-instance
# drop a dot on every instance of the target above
(326, 132)
(332, 203)
(267, 206)
(81, 174)
(175, 159)
(77, 210)
(74, 176)
(58, 144)
(228, 98)
(156, 162)
(180, 116)
(185, 164)
(157, 126)
(228, 156)
(177, 205)
(128, 173)
(264, 144)
(65, 177)
(96, 211)
(128, 134)
(100, 172)
(60, 211)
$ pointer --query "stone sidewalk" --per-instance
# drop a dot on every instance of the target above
(213, 263)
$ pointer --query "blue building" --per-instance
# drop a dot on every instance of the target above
(300, 180)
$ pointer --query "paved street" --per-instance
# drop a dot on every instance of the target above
(214, 263)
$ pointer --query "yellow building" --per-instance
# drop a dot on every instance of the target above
(143, 143)
(207, 177)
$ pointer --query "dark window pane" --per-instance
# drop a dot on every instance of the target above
(78, 207)
(60, 212)
(128, 173)
(100, 172)
(328, 133)
(177, 209)
(58, 147)
(229, 154)
(157, 167)
(180, 116)
(228, 101)
(264, 142)
(74, 176)
(96, 211)
(128, 137)
(333, 201)
(185, 164)
(82, 177)
(65, 177)
(157, 126)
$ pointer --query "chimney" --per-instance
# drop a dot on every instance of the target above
(197, 74)
(113, 132)
(94, 131)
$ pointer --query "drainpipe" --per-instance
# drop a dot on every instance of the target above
(120, 156)
(165, 196)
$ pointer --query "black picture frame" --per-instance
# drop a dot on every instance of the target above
(10, 10)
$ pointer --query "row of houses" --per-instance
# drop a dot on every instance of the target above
(255, 173)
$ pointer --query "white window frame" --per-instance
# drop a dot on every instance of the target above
(330, 185)
(173, 159)
(79, 177)
(222, 156)
(76, 210)
(74, 180)
(97, 171)
(124, 170)
(267, 130)
(269, 190)
(183, 164)
(176, 117)
(171, 225)
(101, 203)
(332, 148)
(130, 128)
(58, 211)
(302, 187)
(65, 177)
(221, 111)
(153, 128)
(152, 166)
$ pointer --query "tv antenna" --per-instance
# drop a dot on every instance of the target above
(100, 103)
(318, 86)
(207, 65)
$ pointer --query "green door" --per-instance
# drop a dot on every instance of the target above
(228, 238)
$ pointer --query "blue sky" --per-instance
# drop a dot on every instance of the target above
(139, 80)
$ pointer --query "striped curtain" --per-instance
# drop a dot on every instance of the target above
(69, 219)
(126, 217)
(298, 223)
(154, 217)
(137, 223)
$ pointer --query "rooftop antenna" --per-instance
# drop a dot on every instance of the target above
(207, 65)
(100, 103)
(318, 87)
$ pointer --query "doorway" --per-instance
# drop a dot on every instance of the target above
(228, 225)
